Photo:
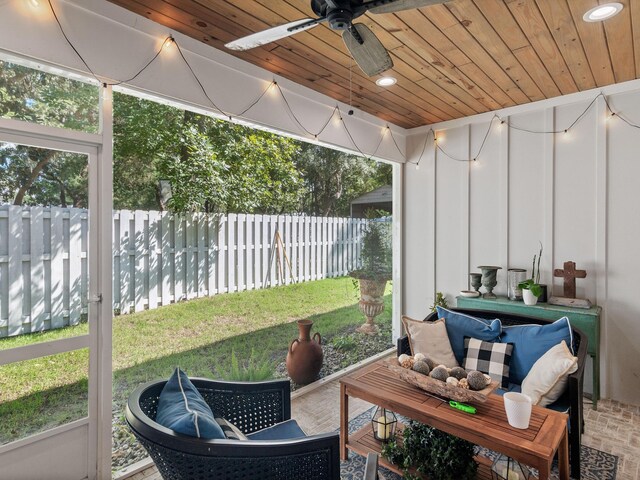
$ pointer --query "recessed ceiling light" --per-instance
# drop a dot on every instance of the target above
(602, 12)
(385, 81)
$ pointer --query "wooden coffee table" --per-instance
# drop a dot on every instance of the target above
(536, 446)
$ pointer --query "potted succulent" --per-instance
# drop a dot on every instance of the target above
(374, 268)
(531, 288)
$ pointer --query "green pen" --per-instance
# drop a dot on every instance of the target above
(462, 406)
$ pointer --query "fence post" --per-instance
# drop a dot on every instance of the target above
(75, 265)
(154, 259)
(37, 270)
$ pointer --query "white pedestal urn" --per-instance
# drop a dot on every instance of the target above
(371, 303)
(528, 297)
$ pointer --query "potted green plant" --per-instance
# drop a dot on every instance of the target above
(531, 288)
(374, 267)
(431, 452)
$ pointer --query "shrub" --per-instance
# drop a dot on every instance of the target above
(435, 454)
(252, 370)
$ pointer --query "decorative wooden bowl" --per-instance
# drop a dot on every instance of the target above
(441, 389)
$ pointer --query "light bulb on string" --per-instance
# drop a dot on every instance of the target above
(273, 89)
(168, 43)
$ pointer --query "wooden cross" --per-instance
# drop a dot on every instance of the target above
(570, 274)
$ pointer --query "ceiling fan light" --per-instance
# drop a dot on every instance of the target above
(386, 81)
(602, 12)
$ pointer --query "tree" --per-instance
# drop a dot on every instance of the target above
(34, 175)
(143, 132)
(333, 179)
(211, 165)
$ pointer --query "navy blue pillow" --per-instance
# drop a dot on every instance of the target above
(182, 409)
(460, 325)
(530, 342)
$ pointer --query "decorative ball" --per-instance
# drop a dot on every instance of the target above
(419, 357)
(463, 383)
(487, 378)
(452, 381)
(458, 372)
(439, 373)
(476, 380)
(402, 358)
(431, 363)
(421, 366)
(408, 363)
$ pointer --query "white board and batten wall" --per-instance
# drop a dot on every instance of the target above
(577, 193)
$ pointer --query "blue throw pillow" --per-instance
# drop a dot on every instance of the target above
(530, 342)
(460, 325)
(182, 409)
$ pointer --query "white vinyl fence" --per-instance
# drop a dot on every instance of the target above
(159, 258)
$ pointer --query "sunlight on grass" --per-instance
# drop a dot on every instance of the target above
(198, 335)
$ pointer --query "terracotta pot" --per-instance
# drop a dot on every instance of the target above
(304, 359)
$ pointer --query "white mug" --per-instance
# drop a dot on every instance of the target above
(518, 408)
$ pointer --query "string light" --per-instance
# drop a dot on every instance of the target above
(168, 43)
(273, 86)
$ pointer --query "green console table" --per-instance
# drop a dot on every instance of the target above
(587, 320)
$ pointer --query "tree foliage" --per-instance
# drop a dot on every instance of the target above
(334, 178)
(211, 165)
(31, 175)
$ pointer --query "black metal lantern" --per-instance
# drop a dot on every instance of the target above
(383, 423)
(506, 468)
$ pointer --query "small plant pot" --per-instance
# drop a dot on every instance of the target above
(528, 297)
(518, 409)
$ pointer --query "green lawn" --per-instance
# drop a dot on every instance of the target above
(198, 335)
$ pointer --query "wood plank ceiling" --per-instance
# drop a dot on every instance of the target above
(452, 60)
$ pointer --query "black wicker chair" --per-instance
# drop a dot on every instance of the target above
(249, 406)
(573, 394)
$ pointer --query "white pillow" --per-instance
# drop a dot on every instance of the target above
(547, 379)
(430, 339)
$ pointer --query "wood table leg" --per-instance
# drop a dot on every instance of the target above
(563, 457)
(344, 422)
(544, 470)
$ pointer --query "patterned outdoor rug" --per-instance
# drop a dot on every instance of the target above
(596, 465)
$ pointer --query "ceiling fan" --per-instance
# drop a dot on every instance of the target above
(362, 43)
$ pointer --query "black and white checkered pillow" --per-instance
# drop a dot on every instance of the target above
(231, 432)
(488, 357)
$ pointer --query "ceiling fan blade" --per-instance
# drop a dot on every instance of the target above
(386, 6)
(272, 34)
(366, 50)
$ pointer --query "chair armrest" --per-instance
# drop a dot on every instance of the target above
(254, 459)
